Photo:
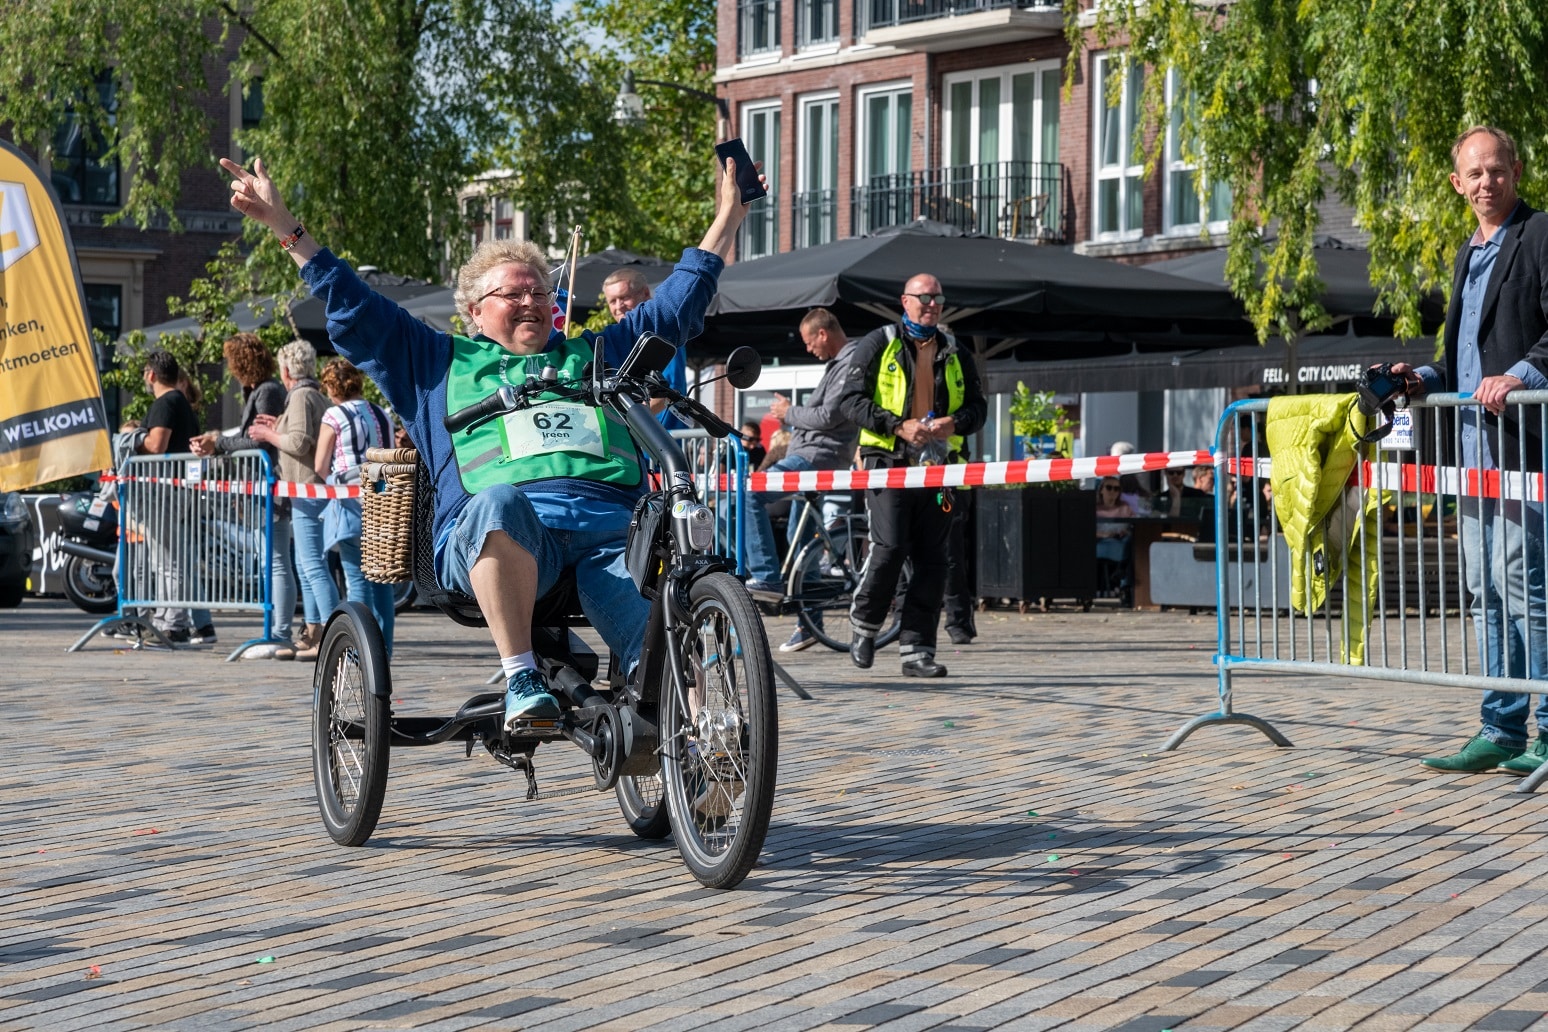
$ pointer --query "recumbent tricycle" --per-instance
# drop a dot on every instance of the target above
(689, 743)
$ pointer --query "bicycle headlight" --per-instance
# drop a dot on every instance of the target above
(701, 527)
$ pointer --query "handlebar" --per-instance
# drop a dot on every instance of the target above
(497, 404)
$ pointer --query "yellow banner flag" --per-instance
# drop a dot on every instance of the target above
(52, 423)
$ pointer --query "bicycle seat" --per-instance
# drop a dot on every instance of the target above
(560, 607)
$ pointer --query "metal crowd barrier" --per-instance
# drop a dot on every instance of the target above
(1406, 547)
(721, 465)
(195, 534)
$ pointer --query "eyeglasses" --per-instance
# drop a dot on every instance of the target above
(928, 299)
(519, 297)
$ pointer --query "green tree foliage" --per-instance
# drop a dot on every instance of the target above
(199, 354)
(1359, 99)
(375, 111)
(646, 188)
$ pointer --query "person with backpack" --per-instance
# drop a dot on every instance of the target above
(349, 427)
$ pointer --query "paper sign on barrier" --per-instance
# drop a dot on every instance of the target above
(52, 423)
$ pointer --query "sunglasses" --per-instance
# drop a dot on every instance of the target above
(928, 299)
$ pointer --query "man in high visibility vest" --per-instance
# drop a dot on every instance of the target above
(915, 396)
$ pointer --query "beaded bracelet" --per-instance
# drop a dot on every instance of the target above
(293, 239)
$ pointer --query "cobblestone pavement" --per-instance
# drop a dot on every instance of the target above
(1005, 848)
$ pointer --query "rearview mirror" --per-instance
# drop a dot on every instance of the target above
(743, 368)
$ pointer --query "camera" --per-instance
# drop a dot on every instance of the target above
(1382, 386)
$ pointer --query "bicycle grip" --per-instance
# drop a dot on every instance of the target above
(500, 401)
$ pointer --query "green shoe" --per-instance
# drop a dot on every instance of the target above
(1530, 760)
(1478, 755)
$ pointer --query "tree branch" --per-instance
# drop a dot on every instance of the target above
(247, 26)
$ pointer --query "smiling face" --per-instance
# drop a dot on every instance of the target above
(819, 343)
(624, 297)
(1486, 176)
(516, 310)
(921, 313)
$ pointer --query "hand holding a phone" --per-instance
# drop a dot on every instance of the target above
(730, 209)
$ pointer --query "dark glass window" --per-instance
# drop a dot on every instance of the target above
(80, 174)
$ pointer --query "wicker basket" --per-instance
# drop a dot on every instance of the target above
(387, 514)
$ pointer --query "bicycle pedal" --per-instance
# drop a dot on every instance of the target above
(539, 727)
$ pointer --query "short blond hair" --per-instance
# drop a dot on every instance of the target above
(298, 360)
(1500, 136)
(490, 256)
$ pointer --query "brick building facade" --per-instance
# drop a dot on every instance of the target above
(129, 272)
(821, 90)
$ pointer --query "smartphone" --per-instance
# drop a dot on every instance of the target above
(746, 171)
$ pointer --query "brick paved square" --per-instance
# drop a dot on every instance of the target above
(1038, 864)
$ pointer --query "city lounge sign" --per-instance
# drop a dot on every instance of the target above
(1343, 372)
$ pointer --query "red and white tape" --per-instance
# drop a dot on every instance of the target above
(1451, 481)
(282, 488)
(974, 474)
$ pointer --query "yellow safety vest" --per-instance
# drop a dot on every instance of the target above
(892, 393)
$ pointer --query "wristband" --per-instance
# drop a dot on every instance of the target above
(294, 238)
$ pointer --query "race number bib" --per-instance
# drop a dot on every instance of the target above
(553, 427)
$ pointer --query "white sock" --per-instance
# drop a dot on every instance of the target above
(516, 664)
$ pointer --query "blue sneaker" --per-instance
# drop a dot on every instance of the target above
(527, 698)
(801, 639)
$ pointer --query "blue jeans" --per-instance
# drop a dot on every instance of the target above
(1502, 565)
(608, 596)
(319, 595)
(762, 553)
(375, 597)
(282, 587)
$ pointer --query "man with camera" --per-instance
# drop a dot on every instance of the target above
(1496, 343)
(916, 397)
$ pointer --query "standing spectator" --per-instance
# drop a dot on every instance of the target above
(1496, 343)
(624, 290)
(170, 426)
(821, 437)
(294, 434)
(348, 428)
(915, 396)
(252, 366)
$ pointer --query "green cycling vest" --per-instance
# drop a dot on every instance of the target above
(561, 439)
(892, 393)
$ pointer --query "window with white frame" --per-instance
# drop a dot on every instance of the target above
(760, 129)
(1001, 127)
(817, 150)
(1184, 213)
(1118, 198)
(884, 178)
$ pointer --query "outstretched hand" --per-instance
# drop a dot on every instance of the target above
(255, 195)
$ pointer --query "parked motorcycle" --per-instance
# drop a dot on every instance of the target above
(88, 531)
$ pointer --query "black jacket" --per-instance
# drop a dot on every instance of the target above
(858, 400)
(1512, 326)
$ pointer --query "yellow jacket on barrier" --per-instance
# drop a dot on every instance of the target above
(1314, 444)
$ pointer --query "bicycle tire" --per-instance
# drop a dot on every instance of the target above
(643, 803)
(350, 725)
(822, 588)
(720, 733)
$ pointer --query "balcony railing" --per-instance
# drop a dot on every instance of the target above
(757, 27)
(876, 14)
(1020, 200)
(759, 235)
(816, 217)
